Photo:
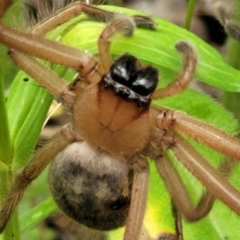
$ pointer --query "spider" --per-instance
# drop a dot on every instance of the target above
(99, 170)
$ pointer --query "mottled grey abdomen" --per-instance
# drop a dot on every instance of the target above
(91, 187)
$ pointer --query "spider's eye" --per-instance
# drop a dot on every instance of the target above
(145, 81)
(123, 68)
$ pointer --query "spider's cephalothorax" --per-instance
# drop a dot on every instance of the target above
(116, 118)
(130, 81)
(115, 111)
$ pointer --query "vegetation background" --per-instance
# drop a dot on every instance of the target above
(27, 105)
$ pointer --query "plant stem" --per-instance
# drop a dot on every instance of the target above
(6, 149)
(189, 14)
(12, 230)
(232, 100)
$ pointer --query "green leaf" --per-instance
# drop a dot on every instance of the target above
(5, 145)
(27, 106)
(37, 214)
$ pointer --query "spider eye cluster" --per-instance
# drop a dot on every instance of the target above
(131, 81)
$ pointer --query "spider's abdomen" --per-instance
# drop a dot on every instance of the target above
(91, 187)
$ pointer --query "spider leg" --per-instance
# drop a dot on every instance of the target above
(4, 5)
(179, 194)
(31, 44)
(69, 12)
(138, 202)
(183, 80)
(44, 76)
(44, 48)
(76, 8)
(178, 222)
(215, 182)
(199, 131)
(32, 170)
(121, 23)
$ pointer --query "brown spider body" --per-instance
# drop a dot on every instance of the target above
(93, 176)
(99, 173)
